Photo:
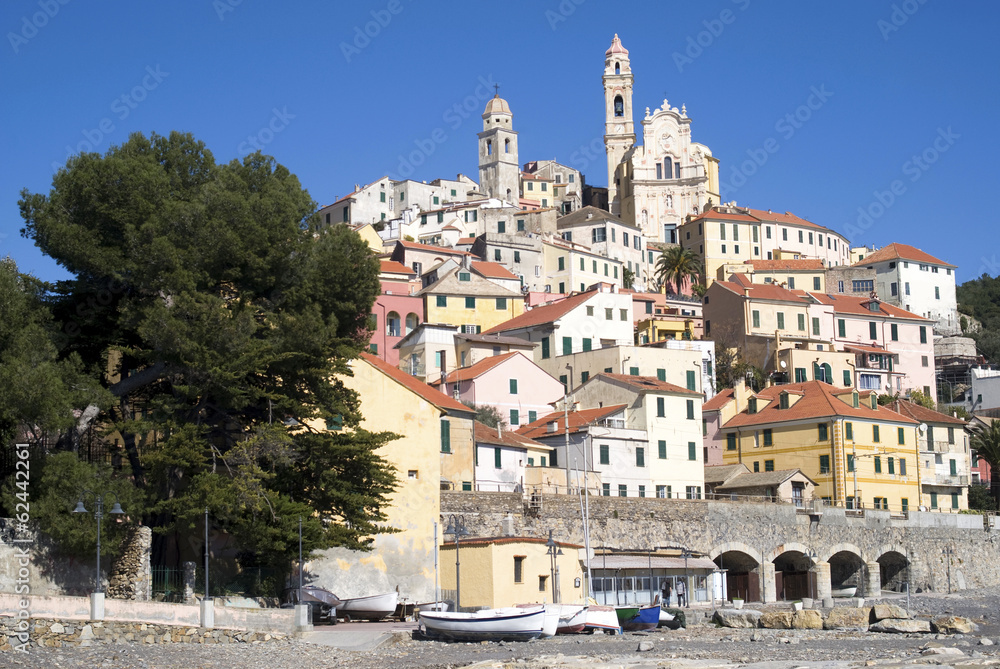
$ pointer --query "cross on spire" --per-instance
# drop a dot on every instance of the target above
(496, 89)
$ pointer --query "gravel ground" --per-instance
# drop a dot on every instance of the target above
(710, 645)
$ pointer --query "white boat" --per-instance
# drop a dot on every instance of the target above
(552, 613)
(373, 607)
(665, 617)
(432, 606)
(849, 591)
(602, 618)
(572, 619)
(506, 624)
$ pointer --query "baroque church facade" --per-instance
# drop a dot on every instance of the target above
(655, 185)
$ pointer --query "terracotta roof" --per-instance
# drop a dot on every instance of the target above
(435, 397)
(791, 264)
(492, 270)
(647, 384)
(590, 214)
(923, 414)
(431, 249)
(476, 286)
(760, 291)
(534, 177)
(787, 218)
(549, 312)
(719, 401)
(488, 435)
(497, 339)
(868, 348)
(481, 367)
(849, 304)
(577, 421)
(616, 47)
(466, 240)
(818, 400)
(393, 267)
(896, 251)
(724, 216)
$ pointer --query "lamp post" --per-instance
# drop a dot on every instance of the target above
(569, 384)
(687, 579)
(948, 552)
(99, 514)
(553, 551)
(456, 526)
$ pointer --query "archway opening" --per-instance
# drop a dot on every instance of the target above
(895, 571)
(847, 575)
(742, 575)
(792, 578)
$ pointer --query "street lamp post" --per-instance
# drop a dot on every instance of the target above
(99, 514)
(948, 552)
(553, 551)
(456, 526)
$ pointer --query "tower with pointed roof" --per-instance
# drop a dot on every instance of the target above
(499, 169)
(619, 132)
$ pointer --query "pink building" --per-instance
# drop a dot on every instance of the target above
(518, 388)
(394, 316)
(712, 418)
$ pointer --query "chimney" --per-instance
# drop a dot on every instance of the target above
(741, 393)
(499, 429)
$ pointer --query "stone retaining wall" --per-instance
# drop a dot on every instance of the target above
(56, 633)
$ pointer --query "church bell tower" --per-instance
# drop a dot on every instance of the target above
(619, 132)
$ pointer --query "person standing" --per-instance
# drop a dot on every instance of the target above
(665, 589)
(682, 593)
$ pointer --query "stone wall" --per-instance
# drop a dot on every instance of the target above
(130, 576)
(757, 529)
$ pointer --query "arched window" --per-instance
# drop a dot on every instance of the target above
(508, 194)
(827, 373)
(489, 147)
(411, 323)
(619, 106)
(668, 168)
(506, 146)
(392, 324)
(618, 68)
(645, 218)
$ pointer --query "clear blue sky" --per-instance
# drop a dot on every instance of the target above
(338, 109)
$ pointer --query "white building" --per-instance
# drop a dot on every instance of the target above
(916, 281)
(611, 237)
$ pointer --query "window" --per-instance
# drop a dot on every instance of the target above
(519, 568)
(905, 504)
(892, 465)
(561, 262)
(605, 454)
(824, 464)
(633, 371)
(849, 431)
(801, 322)
(501, 227)
(906, 288)
(690, 409)
(791, 285)
(768, 437)
(902, 466)
(847, 377)
(660, 408)
(800, 376)
(661, 375)
(692, 451)
(875, 433)
(691, 380)
(954, 495)
(878, 464)
(800, 237)
(756, 318)
(894, 331)
(470, 303)
(781, 320)
(953, 467)
(606, 489)
(768, 465)
(584, 376)
(841, 328)
(545, 348)
(923, 334)
(850, 462)
(934, 503)
(567, 345)
(587, 344)
(622, 490)
(783, 401)
(901, 435)
(731, 441)
(661, 447)
(541, 583)
(823, 432)
(609, 314)
(445, 435)
(756, 466)
(893, 289)
(640, 456)
(862, 286)
(622, 313)
(598, 235)
(815, 324)
(784, 234)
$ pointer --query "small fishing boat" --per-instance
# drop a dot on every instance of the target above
(648, 618)
(848, 591)
(505, 624)
(602, 619)
(625, 613)
(665, 617)
(373, 607)
(572, 619)
(431, 606)
(552, 613)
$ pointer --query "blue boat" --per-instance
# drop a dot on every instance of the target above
(647, 619)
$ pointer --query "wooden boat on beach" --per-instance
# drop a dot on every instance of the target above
(647, 618)
(373, 607)
(572, 619)
(505, 624)
(602, 619)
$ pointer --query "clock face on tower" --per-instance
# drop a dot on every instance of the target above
(619, 128)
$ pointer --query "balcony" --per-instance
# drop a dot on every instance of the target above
(948, 480)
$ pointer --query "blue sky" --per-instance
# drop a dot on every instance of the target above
(887, 107)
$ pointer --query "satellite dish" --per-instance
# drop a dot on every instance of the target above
(783, 364)
(922, 428)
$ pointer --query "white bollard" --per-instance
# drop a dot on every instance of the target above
(97, 606)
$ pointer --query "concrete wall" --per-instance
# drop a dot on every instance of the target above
(757, 529)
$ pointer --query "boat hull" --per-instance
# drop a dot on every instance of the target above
(844, 592)
(648, 618)
(602, 618)
(572, 620)
(373, 608)
(490, 625)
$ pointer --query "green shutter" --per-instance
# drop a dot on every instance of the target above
(875, 433)
(640, 456)
(513, 386)
(497, 462)
(824, 464)
(781, 321)
(841, 328)
(545, 348)
(822, 432)
(515, 417)
(923, 334)
(731, 441)
(661, 446)
(847, 378)
(587, 344)
(633, 371)
(873, 330)
(691, 380)
(445, 435)
(756, 318)
(894, 332)
(660, 407)
(661, 375)
(801, 322)
(692, 451)
(901, 435)
(605, 454)
(567, 345)
(878, 464)
(849, 431)
(690, 409)
(768, 437)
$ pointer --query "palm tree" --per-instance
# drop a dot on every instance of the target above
(986, 443)
(676, 265)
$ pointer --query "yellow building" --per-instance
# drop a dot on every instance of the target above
(435, 445)
(722, 236)
(572, 267)
(506, 571)
(791, 273)
(370, 235)
(667, 326)
(464, 298)
(859, 454)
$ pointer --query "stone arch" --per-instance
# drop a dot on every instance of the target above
(735, 547)
(848, 570)
(894, 570)
(741, 568)
(842, 548)
(792, 571)
(789, 547)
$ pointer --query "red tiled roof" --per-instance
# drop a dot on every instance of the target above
(492, 270)
(647, 384)
(431, 249)
(393, 267)
(923, 414)
(849, 304)
(788, 218)
(818, 400)
(790, 264)
(577, 421)
(549, 312)
(466, 240)
(724, 216)
(896, 251)
(719, 401)
(760, 291)
(488, 435)
(435, 397)
(867, 348)
(481, 367)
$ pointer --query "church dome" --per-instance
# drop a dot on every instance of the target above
(496, 105)
(616, 47)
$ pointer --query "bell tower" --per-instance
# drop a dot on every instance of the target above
(619, 132)
(499, 169)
